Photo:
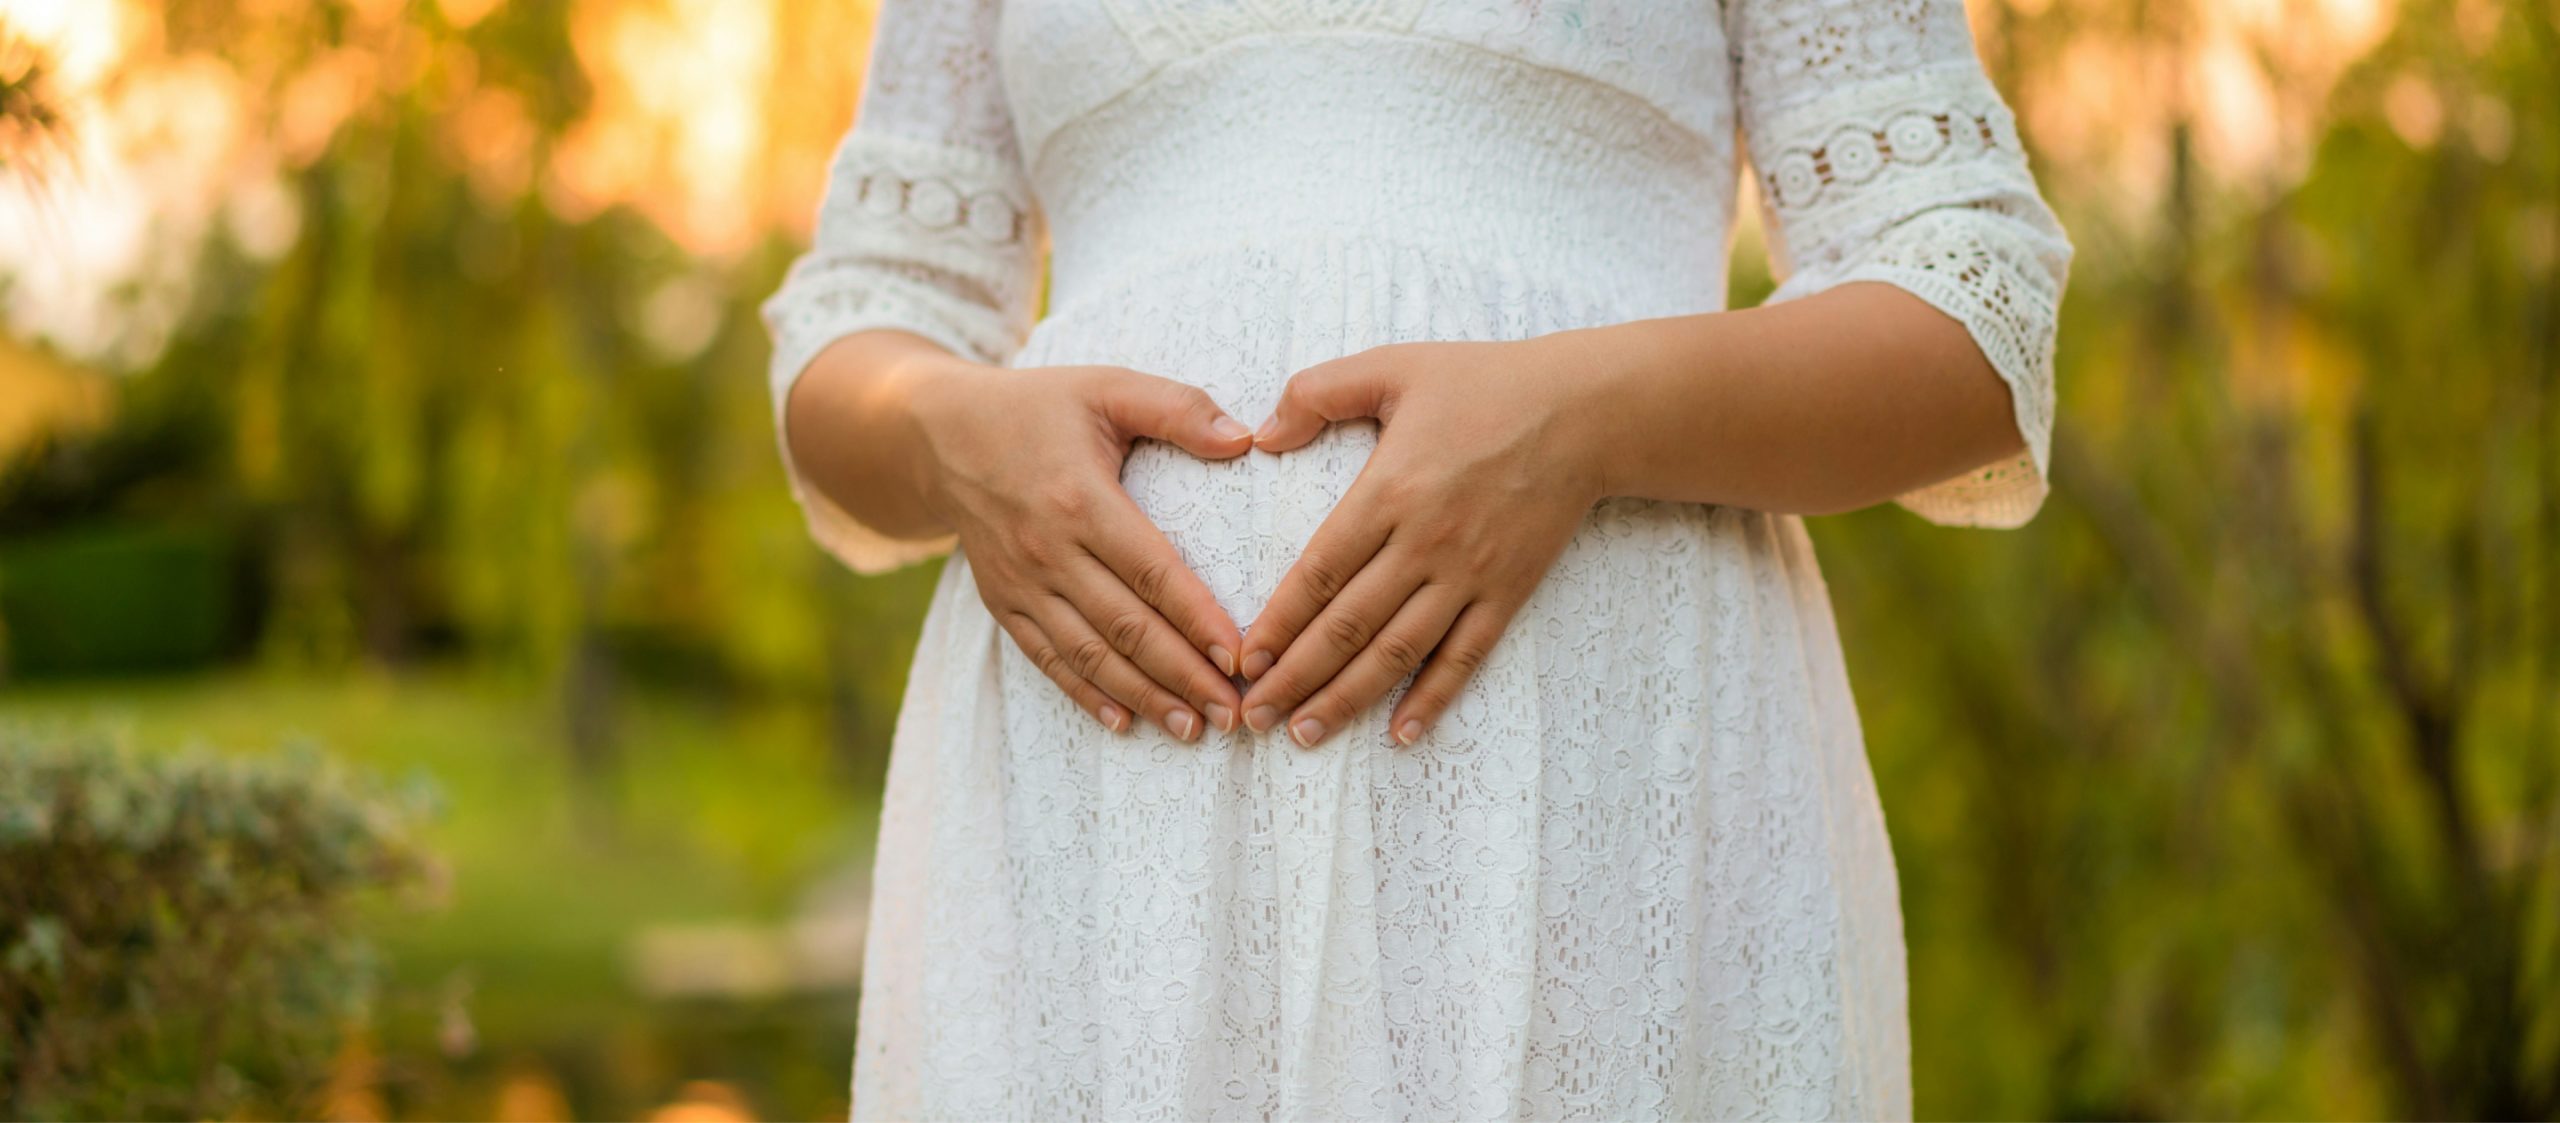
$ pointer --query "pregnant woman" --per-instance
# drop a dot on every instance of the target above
(1383, 672)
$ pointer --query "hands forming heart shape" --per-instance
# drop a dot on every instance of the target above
(1484, 467)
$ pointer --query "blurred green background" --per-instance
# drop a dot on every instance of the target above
(386, 375)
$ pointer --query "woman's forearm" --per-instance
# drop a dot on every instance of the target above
(1833, 402)
(852, 433)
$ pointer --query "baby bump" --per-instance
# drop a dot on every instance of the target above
(1237, 523)
(1238, 322)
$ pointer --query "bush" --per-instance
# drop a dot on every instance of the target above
(119, 598)
(174, 929)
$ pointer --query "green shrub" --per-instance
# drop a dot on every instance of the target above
(174, 929)
(118, 598)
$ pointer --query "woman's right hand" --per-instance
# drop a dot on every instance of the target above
(1024, 466)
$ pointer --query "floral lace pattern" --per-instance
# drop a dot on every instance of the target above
(1855, 154)
(1639, 871)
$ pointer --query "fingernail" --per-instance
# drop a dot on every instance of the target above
(1222, 717)
(1306, 731)
(1225, 660)
(1409, 732)
(1183, 724)
(1256, 663)
(1114, 718)
(1262, 718)
(1228, 429)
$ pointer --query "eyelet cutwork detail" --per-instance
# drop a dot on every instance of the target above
(920, 227)
(1856, 154)
(936, 204)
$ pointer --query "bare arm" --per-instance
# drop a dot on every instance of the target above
(1844, 399)
(866, 383)
(1491, 453)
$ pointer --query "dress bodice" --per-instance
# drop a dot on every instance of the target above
(1062, 59)
(1588, 146)
(1293, 139)
(1592, 135)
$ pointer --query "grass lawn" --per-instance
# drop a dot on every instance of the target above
(518, 969)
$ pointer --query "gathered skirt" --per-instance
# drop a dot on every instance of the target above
(1638, 871)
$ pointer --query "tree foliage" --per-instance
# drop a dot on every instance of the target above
(2230, 787)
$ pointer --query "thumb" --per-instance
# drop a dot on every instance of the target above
(1144, 405)
(1339, 390)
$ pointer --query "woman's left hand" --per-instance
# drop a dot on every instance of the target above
(1485, 466)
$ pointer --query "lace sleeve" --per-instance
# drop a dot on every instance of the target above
(1884, 154)
(928, 226)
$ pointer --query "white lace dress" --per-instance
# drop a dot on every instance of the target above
(1639, 870)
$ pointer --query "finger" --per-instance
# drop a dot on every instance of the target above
(1091, 656)
(1398, 650)
(1144, 405)
(1460, 654)
(1337, 390)
(1035, 643)
(1341, 549)
(1138, 553)
(1333, 640)
(1137, 632)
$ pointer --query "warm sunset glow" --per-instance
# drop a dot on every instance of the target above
(711, 117)
(394, 490)
(2251, 76)
(678, 105)
(715, 118)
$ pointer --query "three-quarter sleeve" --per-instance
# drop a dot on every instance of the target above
(928, 226)
(1883, 153)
